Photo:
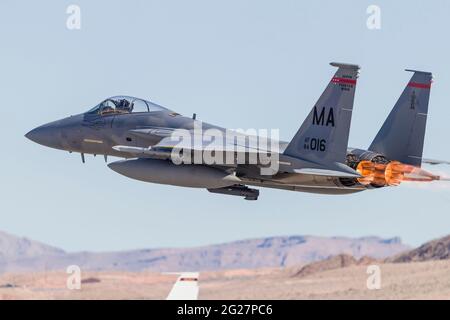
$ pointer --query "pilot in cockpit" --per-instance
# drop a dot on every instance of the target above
(124, 106)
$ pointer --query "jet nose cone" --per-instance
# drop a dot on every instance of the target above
(46, 135)
(33, 135)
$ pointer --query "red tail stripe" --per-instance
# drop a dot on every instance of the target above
(419, 85)
(343, 80)
(188, 279)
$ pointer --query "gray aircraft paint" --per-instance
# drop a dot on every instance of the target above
(165, 172)
(402, 135)
(323, 136)
(306, 170)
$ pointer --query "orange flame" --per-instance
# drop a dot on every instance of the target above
(420, 175)
(391, 174)
(395, 173)
(366, 169)
(380, 177)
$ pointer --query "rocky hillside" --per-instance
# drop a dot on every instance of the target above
(13, 248)
(334, 262)
(24, 255)
(438, 249)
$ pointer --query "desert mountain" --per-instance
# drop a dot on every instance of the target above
(334, 262)
(438, 249)
(14, 248)
(20, 254)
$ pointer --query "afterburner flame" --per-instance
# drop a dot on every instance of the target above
(366, 169)
(395, 173)
(380, 177)
(372, 173)
(420, 175)
(391, 174)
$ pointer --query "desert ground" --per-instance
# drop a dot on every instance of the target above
(416, 280)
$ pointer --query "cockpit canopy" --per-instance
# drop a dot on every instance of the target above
(125, 104)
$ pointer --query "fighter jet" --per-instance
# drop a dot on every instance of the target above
(161, 146)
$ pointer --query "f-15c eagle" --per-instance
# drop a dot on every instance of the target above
(162, 146)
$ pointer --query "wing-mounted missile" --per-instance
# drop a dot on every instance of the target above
(156, 131)
(144, 152)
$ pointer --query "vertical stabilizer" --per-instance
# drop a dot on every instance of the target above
(323, 136)
(402, 135)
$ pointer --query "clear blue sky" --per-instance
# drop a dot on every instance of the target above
(239, 64)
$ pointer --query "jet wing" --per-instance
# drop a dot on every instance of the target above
(231, 147)
(234, 147)
(165, 153)
(229, 141)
